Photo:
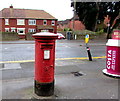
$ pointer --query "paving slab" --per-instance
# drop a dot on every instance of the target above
(92, 84)
(11, 66)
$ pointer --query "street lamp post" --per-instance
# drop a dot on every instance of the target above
(74, 18)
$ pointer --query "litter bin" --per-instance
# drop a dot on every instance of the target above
(69, 34)
(113, 56)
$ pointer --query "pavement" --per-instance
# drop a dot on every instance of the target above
(74, 79)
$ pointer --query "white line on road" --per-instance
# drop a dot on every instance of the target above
(5, 48)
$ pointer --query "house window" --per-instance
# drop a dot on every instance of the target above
(44, 30)
(20, 22)
(53, 23)
(32, 22)
(44, 22)
(13, 29)
(6, 29)
(31, 30)
(21, 31)
(6, 21)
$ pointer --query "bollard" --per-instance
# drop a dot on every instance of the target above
(87, 48)
(113, 56)
(89, 53)
(44, 63)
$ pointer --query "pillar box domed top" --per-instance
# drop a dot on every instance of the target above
(45, 35)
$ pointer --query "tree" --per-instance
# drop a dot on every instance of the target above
(93, 13)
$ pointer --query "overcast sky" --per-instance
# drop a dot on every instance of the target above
(60, 9)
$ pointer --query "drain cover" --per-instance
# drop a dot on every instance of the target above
(77, 74)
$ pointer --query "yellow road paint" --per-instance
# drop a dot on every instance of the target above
(22, 61)
(79, 58)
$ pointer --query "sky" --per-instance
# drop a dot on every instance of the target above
(60, 9)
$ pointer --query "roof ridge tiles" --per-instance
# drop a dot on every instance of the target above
(25, 13)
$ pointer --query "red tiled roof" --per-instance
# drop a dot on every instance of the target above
(64, 22)
(25, 13)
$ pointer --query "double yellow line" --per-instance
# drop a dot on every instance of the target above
(74, 58)
(80, 58)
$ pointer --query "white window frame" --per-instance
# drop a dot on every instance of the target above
(53, 22)
(21, 29)
(31, 30)
(20, 21)
(13, 29)
(31, 22)
(7, 29)
(44, 22)
(6, 21)
(45, 30)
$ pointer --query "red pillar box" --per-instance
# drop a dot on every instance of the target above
(113, 57)
(44, 63)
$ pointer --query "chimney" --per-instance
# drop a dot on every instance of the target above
(11, 6)
(11, 11)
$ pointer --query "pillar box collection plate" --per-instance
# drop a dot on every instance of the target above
(44, 63)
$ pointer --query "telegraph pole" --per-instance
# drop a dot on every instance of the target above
(74, 13)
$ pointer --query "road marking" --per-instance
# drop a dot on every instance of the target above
(80, 58)
(11, 66)
(5, 48)
(21, 61)
(75, 58)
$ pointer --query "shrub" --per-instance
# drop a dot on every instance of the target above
(9, 36)
(29, 36)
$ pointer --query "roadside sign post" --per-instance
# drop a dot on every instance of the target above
(87, 48)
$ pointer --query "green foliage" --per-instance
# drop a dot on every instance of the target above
(84, 32)
(100, 26)
(9, 36)
(93, 35)
(29, 36)
(67, 29)
(100, 32)
(91, 12)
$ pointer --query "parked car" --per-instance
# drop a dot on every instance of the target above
(60, 36)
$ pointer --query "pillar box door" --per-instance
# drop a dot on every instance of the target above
(44, 63)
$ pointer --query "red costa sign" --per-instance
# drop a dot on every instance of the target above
(111, 59)
(116, 34)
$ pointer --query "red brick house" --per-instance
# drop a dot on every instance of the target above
(71, 23)
(61, 25)
(23, 21)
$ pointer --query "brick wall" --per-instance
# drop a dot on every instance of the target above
(13, 24)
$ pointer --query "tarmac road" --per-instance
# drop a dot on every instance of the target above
(24, 50)
(17, 52)
(75, 78)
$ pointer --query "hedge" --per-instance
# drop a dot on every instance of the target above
(9, 36)
(81, 34)
(29, 36)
